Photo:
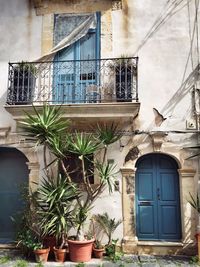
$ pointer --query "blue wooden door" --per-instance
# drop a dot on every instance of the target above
(75, 68)
(157, 199)
(13, 174)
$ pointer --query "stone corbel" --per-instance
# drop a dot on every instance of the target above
(157, 140)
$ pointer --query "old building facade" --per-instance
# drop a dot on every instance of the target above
(134, 62)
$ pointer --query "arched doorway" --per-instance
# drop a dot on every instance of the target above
(157, 198)
(13, 174)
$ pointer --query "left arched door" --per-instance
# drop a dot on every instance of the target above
(13, 175)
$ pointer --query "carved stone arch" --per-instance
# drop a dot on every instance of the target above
(186, 179)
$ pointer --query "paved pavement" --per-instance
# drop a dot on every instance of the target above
(13, 259)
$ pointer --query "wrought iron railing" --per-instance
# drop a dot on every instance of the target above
(67, 82)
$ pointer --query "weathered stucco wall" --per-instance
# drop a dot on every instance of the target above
(163, 68)
(20, 32)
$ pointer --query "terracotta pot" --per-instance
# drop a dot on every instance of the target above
(49, 242)
(98, 252)
(80, 251)
(60, 254)
(41, 255)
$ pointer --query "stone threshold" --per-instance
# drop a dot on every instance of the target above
(160, 243)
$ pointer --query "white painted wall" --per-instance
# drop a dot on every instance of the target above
(20, 31)
(162, 59)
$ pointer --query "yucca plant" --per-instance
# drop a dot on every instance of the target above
(107, 224)
(55, 211)
(195, 202)
(48, 128)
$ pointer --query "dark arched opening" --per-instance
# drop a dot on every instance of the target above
(14, 175)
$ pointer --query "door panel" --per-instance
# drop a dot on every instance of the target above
(146, 215)
(157, 198)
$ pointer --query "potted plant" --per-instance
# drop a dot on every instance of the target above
(22, 83)
(54, 200)
(41, 253)
(98, 249)
(48, 128)
(29, 233)
(124, 71)
(80, 245)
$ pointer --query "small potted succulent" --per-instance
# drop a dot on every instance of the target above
(98, 249)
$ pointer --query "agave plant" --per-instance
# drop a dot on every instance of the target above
(107, 224)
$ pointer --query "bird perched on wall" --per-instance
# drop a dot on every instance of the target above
(159, 118)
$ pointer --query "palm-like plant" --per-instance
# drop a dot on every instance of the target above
(195, 202)
(48, 128)
(54, 201)
(44, 126)
(107, 224)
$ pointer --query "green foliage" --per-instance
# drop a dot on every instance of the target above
(25, 66)
(83, 144)
(21, 263)
(28, 232)
(55, 206)
(195, 202)
(44, 125)
(49, 129)
(111, 252)
(80, 264)
(194, 260)
(39, 264)
(108, 134)
(4, 259)
(106, 173)
(107, 224)
(98, 244)
(28, 241)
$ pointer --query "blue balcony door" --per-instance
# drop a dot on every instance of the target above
(157, 199)
(78, 69)
(13, 175)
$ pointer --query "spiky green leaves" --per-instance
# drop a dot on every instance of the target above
(106, 173)
(83, 144)
(195, 202)
(55, 209)
(108, 134)
(107, 224)
(45, 124)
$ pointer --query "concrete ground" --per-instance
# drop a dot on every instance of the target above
(13, 259)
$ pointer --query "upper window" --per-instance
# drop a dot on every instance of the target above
(75, 66)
